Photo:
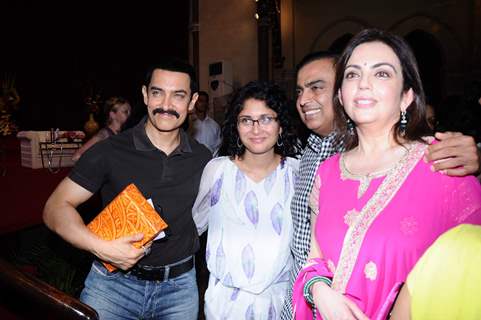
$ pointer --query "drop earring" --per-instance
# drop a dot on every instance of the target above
(404, 122)
(350, 127)
(279, 142)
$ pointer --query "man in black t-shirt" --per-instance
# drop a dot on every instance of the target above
(166, 165)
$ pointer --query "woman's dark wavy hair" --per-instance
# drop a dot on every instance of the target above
(275, 99)
(417, 125)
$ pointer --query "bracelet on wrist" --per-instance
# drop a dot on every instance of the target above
(307, 287)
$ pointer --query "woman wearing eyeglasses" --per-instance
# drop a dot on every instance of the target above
(244, 198)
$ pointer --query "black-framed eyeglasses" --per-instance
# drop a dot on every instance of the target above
(263, 121)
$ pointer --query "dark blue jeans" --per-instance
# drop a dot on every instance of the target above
(123, 296)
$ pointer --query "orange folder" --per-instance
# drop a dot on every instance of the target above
(127, 214)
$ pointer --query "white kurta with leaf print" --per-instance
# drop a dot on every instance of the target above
(249, 234)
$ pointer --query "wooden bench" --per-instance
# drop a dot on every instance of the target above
(44, 301)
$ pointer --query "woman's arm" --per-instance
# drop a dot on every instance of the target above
(402, 306)
(85, 147)
(329, 303)
(202, 204)
(314, 252)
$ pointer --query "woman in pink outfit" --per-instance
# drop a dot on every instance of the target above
(378, 206)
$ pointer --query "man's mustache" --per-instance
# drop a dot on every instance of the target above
(171, 112)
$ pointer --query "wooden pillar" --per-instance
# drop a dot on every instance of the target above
(194, 29)
(263, 50)
(263, 30)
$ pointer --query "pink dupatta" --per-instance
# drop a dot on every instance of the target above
(314, 267)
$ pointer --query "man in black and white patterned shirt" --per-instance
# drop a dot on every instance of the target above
(315, 85)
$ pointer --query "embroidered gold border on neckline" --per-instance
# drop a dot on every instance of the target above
(365, 180)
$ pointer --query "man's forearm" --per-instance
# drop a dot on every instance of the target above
(67, 222)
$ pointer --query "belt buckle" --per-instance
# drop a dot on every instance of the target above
(144, 273)
(153, 273)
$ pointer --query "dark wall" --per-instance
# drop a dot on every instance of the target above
(61, 51)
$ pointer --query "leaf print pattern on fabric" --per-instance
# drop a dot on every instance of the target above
(272, 315)
(228, 280)
(276, 218)
(284, 277)
(295, 178)
(220, 258)
(251, 208)
(215, 191)
(205, 202)
(269, 181)
(287, 186)
(249, 218)
(240, 185)
(235, 294)
(248, 261)
(250, 313)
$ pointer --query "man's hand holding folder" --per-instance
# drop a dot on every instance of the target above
(128, 224)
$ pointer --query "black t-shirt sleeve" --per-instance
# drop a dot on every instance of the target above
(91, 170)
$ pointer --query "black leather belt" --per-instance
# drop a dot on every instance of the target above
(162, 273)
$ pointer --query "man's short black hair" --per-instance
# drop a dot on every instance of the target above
(174, 65)
(313, 56)
(203, 93)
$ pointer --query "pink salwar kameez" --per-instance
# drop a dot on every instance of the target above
(372, 231)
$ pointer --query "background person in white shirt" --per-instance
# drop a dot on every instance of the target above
(204, 129)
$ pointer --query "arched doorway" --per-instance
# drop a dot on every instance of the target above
(338, 45)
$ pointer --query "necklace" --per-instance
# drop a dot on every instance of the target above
(365, 179)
